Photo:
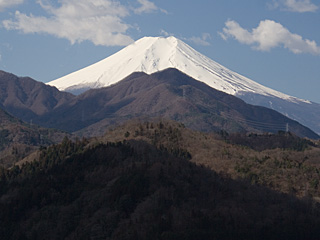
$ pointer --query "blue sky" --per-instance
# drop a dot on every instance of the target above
(273, 42)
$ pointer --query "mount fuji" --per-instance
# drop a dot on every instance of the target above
(154, 54)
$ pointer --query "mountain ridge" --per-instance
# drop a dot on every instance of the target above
(169, 94)
(25, 98)
(175, 95)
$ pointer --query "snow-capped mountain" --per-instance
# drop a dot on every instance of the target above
(153, 54)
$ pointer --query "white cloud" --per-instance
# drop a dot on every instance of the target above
(300, 6)
(268, 35)
(147, 7)
(98, 21)
(9, 3)
(164, 33)
(203, 40)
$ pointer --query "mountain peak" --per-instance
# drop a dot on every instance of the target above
(148, 54)
(153, 54)
(170, 39)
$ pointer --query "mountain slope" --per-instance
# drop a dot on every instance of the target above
(152, 54)
(169, 94)
(26, 98)
(306, 113)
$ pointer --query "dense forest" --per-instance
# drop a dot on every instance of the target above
(152, 180)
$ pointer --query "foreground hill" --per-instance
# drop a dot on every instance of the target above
(135, 190)
(282, 162)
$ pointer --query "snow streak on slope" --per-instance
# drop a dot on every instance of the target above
(152, 54)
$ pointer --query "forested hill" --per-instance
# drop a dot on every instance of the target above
(19, 139)
(135, 190)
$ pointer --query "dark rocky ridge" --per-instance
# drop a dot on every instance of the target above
(27, 99)
(169, 94)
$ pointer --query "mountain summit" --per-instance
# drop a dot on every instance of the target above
(153, 54)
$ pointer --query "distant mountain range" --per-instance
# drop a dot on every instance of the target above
(168, 94)
(153, 54)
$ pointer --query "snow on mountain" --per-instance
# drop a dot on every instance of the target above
(152, 54)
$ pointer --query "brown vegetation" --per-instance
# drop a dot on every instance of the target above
(18, 139)
(288, 164)
(134, 190)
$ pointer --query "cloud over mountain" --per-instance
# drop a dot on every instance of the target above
(202, 41)
(147, 7)
(101, 22)
(269, 34)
